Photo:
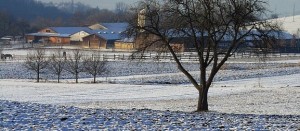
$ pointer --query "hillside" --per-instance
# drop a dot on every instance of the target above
(290, 24)
(30, 9)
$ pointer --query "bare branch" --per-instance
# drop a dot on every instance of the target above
(36, 61)
(214, 29)
(94, 65)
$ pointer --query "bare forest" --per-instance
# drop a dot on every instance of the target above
(17, 19)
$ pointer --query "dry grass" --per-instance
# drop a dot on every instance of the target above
(290, 65)
(224, 67)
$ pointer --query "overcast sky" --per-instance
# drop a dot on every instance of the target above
(284, 7)
(108, 4)
(281, 7)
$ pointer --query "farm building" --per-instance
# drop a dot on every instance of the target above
(100, 39)
(58, 35)
(152, 42)
(105, 35)
(115, 27)
(125, 44)
(95, 36)
(53, 38)
(6, 39)
(94, 41)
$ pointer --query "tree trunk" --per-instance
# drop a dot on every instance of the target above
(38, 76)
(94, 78)
(58, 78)
(202, 101)
(76, 77)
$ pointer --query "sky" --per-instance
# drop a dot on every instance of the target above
(107, 4)
(284, 7)
(281, 7)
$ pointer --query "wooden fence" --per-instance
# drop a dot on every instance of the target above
(167, 57)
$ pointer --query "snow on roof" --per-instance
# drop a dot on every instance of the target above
(70, 30)
(4, 38)
(254, 35)
(111, 27)
(115, 27)
(110, 36)
(97, 27)
(49, 34)
(112, 31)
(107, 35)
(7, 38)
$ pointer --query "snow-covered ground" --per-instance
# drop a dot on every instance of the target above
(28, 116)
(268, 95)
(145, 96)
(289, 24)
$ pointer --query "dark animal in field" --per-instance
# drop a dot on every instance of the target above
(5, 56)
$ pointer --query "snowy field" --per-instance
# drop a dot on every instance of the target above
(273, 95)
(153, 96)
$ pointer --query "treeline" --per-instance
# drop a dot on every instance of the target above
(18, 17)
(11, 26)
(30, 9)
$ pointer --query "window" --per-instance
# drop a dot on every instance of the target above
(59, 40)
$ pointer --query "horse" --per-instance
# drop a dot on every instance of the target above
(5, 56)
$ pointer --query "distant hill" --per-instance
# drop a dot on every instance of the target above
(290, 24)
(18, 17)
(31, 9)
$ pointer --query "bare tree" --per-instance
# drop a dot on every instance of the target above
(94, 66)
(121, 11)
(121, 7)
(74, 64)
(57, 64)
(36, 62)
(206, 24)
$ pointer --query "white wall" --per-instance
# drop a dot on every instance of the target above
(78, 36)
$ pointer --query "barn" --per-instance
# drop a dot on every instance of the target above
(125, 44)
(104, 35)
(101, 40)
(58, 35)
